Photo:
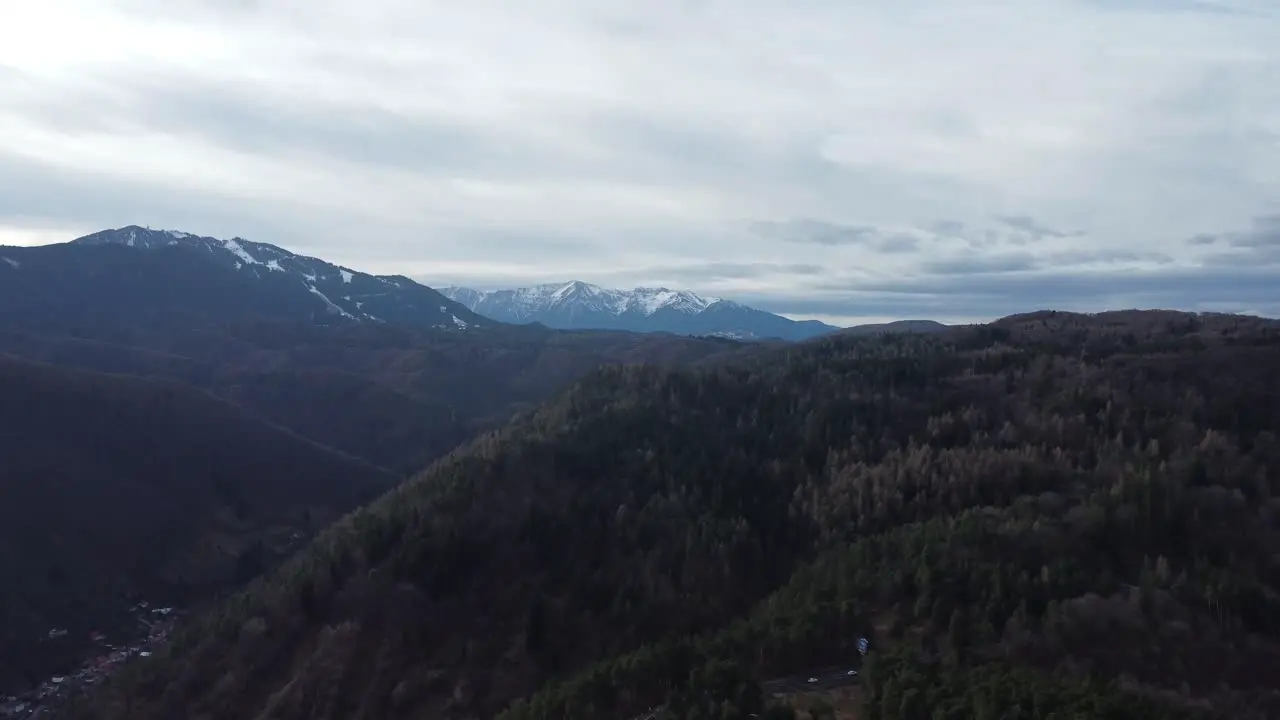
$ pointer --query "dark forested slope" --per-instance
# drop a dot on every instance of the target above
(115, 489)
(396, 397)
(1059, 513)
(379, 367)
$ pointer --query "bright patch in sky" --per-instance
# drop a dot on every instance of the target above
(952, 159)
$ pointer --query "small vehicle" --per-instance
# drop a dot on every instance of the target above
(813, 679)
(852, 672)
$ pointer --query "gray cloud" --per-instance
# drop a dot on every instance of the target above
(1029, 225)
(92, 201)
(254, 118)
(980, 264)
(991, 286)
(715, 271)
(974, 264)
(817, 232)
(947, 227)
(898, 244)
(622, 142)
(1264, 257)
(829, 234)
(1265, 233)
(998, 294)
(725, 270)
(1103, 255)
(1205, 7)
(100, 200)
(1256, 247)
(694, 275)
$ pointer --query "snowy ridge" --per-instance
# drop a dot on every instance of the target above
(579, 305)
(341, 292)
(584, 296)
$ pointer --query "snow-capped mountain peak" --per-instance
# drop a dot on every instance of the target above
(580, 305)
(337, 291)
(577, 297)
(651, 300)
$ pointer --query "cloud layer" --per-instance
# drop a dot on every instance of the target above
(957, 159)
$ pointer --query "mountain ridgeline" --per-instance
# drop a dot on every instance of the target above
(180, 412)
(169, 278)
(376, 366)
(172, 278)
(581, 306)
(1051, 516)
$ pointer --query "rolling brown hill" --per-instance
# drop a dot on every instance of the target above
(115, 489)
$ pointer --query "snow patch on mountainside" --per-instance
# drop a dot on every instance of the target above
(366, 298)
(333, 308)
(584, 296)
(651, 300)
(580, 305)
(238, 250)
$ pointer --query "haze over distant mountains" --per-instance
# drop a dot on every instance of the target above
(175, 277)
(580, 305)
(381, 367)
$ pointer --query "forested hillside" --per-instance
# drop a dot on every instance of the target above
(383, 368)
(397, 397)
(1054, 515)
(116, 489)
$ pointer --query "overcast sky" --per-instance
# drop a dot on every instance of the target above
(840, 159)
